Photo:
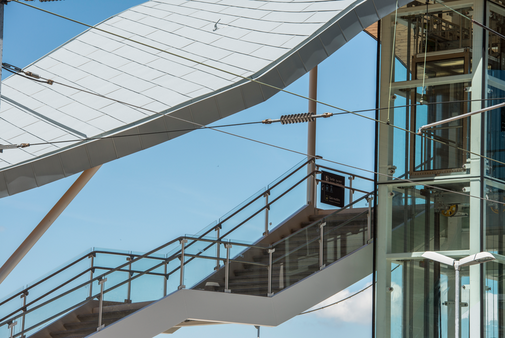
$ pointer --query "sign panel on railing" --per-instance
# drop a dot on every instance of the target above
(332, 194)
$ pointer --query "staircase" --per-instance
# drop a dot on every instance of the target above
(286, 257)
(84, 321)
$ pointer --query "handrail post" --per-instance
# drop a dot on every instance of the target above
(130, 274)
(24, 295)
(92, 269)
(11, 327)
(351, 191)
(369, 218)
(165, 279)
(281, 276)
(321, 246)
(181, 284)
(314, 184)
(267, 209)
(218, 250)
(101, 282)
(270, 252)
(227, 268)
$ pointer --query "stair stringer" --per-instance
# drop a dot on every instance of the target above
(223, 307)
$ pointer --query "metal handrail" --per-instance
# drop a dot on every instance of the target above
(164, 261)
(260, 195)
(46, 294)
(44, 279)
(224, 242)
(318, 221)
(147, 255)
(98, 277)
(315, 238)
(143, 256)
(267, 205)
(345, 173)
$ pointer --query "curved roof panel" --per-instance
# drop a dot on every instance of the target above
(274, 42)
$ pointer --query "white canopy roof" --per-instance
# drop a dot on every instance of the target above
(274, 42)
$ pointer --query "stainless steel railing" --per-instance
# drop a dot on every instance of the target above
(164, 267)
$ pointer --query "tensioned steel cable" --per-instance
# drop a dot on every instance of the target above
(44, 80)
(298, 95)
(337, 302)
(344, 299)
(258, 82)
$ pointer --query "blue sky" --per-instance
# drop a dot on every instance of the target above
(146, 199)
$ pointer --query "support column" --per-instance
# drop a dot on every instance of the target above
(478, 88)
(384, 212)
(46, 222)
(311, 138)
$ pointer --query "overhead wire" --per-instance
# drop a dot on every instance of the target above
(292, 93)
(258, 82)
(337, 302)
(45, 81)
(280, 89)
(38, 79)
(344, 299)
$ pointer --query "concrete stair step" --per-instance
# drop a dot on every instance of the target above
(115, 307)
(80, 332)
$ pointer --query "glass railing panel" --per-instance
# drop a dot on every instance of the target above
(110, 260)
(168, 250)
(248, 279)
(243, 205)
(12, 307)
(116, 286)
(37, 318)
(80, 260)
(148, 263)
(288, 204)
(206, 246)
(249, 273)
(148, 286)
(174, 274)
(5, 331)
(249, 232)
(237, 226)
(208, 230)
(298, 255)
(301, 168)
(294, 267)
(196, 269)
(59, 283)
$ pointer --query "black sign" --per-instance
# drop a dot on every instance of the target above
(332, 194)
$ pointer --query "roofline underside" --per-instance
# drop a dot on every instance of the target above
(201, 111)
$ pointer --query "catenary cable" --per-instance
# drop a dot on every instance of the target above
(258, 82)
(344, 299)
(349, 166)
(279, 89)
(38, 79)
(45, 81)
(337, 302)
